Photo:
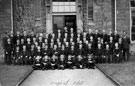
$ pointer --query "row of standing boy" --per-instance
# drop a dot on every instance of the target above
(103, 47)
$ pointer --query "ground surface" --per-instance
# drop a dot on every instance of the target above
(77, 77)
(124, 73)
(10, 75)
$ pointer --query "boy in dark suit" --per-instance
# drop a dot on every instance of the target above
(116, 53)
(61, 62)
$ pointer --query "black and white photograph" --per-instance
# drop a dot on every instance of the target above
(67, 42)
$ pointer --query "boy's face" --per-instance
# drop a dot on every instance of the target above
(116, 44)
(65, 28)
(102, 40)
(59, 43)
(73, 43)
(32, 46)
(107, 46)
(52, 40)
(45, 40)
(8, 40)
(91, 38)
(99, 45)
(43, 44)
(72, 34)
(17, 48)
(46, 35)
(72, 47)
(120, 40)
(64, 40)
(111, 38)
(22, 40)
(115, 31)
(34, 39)
(24, 33)
(89, 45)
(63, 46)
(46, 47)
(103, 31)
(18, 33)
(71, 29)
(90, 30)
(18, 41)
(80, 46)
(71, 40)
(65, 34)
(55, 46)
(24, 47)
(58, 31)
(84, 39)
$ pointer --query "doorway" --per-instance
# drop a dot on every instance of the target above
(60, 21)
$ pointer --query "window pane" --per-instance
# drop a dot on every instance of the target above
(55, 9)
(66, 3)
(72, 3)
(67, 9)
(90, 9)
(64, 6)
(72, 0)
(61, 8)
(55, 3)
(54, 0)
(61, 3)
(72, 8)
(132, 3)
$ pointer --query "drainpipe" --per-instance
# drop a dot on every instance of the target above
(115, 14)
(12, 16)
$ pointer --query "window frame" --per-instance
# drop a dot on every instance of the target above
(64, 5)
(92, 17)
(131, 21)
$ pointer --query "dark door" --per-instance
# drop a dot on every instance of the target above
(70, 22)
(59, 22)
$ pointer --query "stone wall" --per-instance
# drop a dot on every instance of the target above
(102, 16)
(5, 17)
(29, 15)
(123, 16)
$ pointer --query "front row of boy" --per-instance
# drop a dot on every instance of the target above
(62, 62)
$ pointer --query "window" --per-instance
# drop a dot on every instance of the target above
(90, 9)
(64, 6)
(132, 3)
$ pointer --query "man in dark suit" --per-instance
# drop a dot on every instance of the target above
(116, 36)
(70, 61)
(8, 51)
(126, 46)
(25, 36)
(17, 36)
(104, 36)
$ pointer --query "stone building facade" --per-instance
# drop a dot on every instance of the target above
(39, 15)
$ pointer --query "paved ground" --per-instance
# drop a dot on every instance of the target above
(76, 77)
